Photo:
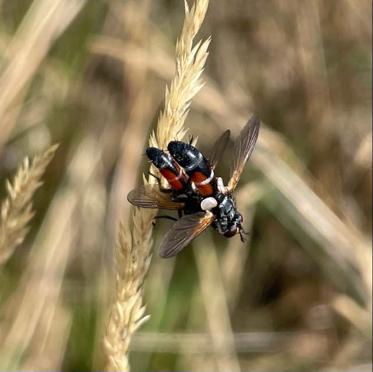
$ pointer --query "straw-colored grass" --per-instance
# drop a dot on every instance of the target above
(134, 248)
(45, 21)
(298, 295)
(16, 209)
(25, 332)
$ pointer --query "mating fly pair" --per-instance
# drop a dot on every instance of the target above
(200, 197)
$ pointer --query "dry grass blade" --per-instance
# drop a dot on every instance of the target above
(201, 343)
(16, 210)
(216, 305)
(45, 21)
(133, 251)
(41, 283)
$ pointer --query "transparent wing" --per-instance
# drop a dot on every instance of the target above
(243, 147)
(183, 232)
(218, 149)
(149, 196)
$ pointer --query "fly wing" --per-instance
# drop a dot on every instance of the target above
(183, 232)
(149, 196)
(218, 149)
(243, 147)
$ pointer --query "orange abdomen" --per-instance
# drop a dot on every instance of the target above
(176, 181)
(199, 179)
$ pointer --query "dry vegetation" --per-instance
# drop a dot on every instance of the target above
(134, 247)
(16, 210)
(91, 76)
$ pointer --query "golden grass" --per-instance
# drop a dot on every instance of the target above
(311, 228)
(190, 61)
(134, 247)
(45, 21)
(34, 311)
(16, 209)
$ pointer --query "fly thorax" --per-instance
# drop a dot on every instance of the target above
(226, 205)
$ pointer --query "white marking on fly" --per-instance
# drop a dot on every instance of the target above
(208, 203)
(220, 185)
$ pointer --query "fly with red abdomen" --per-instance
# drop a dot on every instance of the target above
(195, 192)
(168, 168)
(195, 165)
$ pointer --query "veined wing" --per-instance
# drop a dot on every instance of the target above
(149, 196)
(243, 147)
(218, 149)
(184, 231)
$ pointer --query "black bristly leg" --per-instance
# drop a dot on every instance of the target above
(241, 237)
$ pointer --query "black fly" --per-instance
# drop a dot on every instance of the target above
(201, 198)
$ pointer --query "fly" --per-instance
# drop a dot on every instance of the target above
(195, 192)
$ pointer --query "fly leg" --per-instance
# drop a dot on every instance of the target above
(241, 236)
(242, 232)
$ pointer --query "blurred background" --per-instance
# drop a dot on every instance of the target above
(90, 75)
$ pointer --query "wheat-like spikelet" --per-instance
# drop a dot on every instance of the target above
(134, 246)
(190, 62)
(16, 209)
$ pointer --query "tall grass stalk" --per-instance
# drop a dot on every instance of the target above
(134, 244)
(45, 21)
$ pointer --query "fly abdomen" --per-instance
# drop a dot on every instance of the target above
(168, 168)
(203, 182)
(196, 166)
